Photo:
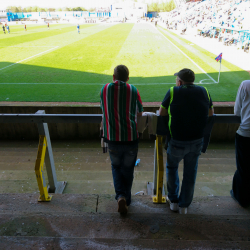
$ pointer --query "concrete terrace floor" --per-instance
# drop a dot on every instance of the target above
(85, 216)
(88, 171)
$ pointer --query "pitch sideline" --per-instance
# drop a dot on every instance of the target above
(189, 59)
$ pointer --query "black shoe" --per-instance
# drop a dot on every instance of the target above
(122, 206)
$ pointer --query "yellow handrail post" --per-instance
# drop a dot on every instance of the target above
(159, 198)
(42, 147)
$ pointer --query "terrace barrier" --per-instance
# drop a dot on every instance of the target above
(45, 153)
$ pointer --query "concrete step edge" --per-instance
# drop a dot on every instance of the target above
(80, 203)
(35, 243)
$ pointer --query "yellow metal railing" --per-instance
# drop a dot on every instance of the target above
(39, 170)
(160, 171)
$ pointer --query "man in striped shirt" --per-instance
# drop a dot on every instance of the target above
(121, 104)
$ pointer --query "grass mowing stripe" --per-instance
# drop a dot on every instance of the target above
(86, 60)
(51, 68)
(19, 31)
(27, 46)
(30, 58)
(38, 35)
(38, 29)
(140, 52)
(189, 58)
(13, 54)
(149, 57)
(16, 29)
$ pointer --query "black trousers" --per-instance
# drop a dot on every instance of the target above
(241, 179)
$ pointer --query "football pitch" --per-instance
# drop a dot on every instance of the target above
(60, 65)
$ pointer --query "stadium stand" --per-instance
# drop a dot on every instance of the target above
(228, 21)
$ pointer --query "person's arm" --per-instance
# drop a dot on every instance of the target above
(211, 112)
(139, 104)
(163, 111)
(211, 107)
(101, 124)
(238, 102)
(101, 105)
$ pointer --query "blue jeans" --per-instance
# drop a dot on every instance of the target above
(123, 158)
(189, 151)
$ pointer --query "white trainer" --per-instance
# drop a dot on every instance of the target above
(183, 210)
(173, 206)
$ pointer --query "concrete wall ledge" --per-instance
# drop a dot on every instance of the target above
(89, 104)
(220, 133)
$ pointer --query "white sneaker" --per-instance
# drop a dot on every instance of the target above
(173, 206)
(183, 210)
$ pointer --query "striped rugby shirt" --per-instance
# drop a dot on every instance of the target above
(120, 103)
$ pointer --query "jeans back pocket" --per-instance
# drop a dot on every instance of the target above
(176, 151)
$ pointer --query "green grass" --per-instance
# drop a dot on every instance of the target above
(231, 75)
(65, 66)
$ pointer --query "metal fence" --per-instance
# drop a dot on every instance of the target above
(45, 153)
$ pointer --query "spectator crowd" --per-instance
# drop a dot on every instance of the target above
(229, 21)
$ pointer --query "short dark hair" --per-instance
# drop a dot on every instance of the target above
(121, 73)
(186, 75)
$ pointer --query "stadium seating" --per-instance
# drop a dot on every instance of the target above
(228, 21)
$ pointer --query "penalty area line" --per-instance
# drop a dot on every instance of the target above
(188, 57)
(30, 57)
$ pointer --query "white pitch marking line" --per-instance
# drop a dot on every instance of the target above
(29, 58)
(79, 83)
(189, 58)
(26, 46)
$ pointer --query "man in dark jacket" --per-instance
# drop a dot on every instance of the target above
(188, 107)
